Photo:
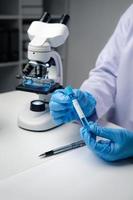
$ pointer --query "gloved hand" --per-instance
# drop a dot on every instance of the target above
(61, 107)
(119, 143)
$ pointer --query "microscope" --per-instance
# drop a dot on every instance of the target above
(43, 73)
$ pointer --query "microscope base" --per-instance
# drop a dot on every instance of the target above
(35, 121)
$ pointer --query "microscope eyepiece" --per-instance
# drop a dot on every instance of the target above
(45, 17)
(64, 19)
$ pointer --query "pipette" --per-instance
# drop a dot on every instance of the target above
(77, 107)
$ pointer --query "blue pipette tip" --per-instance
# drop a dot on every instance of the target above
(69, 90)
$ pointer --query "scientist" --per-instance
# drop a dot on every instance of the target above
(108, 88)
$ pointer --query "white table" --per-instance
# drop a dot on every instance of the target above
(74, 175)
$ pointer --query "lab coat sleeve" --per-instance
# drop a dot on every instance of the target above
(102, 79)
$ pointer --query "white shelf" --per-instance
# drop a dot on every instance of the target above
(30, 17)
(9, 17)
(9, 64)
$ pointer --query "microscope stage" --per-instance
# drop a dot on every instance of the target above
(39, 90)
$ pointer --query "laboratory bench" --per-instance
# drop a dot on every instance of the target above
(73, 175)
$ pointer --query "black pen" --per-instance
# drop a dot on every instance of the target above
(62, 149)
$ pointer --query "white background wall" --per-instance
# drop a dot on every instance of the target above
(92, 23)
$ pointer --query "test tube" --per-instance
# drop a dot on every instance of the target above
(77, 107)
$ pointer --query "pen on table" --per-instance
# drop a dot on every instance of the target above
(62, 149)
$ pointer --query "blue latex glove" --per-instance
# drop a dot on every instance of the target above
(119, 143)
(61, 107)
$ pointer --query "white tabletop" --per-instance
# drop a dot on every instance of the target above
(74, 175)
(19, 149)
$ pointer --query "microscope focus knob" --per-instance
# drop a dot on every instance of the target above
(37, 106)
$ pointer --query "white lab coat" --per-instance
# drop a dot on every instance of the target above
(111, 81)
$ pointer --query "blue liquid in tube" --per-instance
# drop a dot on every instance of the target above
(76, 106)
